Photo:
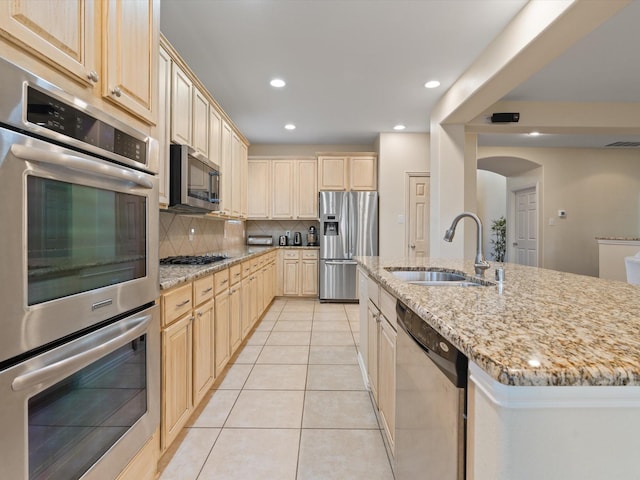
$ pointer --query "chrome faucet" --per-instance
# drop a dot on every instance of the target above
(480, 264)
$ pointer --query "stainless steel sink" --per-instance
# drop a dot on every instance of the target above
(436, 278)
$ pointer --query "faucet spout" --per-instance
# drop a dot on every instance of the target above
(480, 264)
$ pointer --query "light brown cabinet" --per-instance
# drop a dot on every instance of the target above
(200, 123)
(235, 308)
(222, 326)
(352, 172)
(111, 52)
(282, 188)
(203, 351)
(163, 127)
(299, 272)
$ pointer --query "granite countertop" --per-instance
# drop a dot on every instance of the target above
(174, 275)
(541, 328)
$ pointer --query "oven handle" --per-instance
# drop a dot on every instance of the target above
(62, 368)
(78, 163)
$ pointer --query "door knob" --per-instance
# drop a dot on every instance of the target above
(515, 244)
(117, 92)
(412, 246)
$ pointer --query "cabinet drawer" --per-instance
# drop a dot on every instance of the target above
(246, 268)
(175, 304)
(235, 274)
(291, 254)
(202, 290)
(373, 291)
(388, 307)
(221, 280)
(310, 254)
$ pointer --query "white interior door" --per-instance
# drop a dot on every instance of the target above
(418, 224)
(525, 245)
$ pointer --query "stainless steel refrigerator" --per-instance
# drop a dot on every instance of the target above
(348, 228)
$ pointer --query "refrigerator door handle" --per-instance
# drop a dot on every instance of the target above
(340, 262)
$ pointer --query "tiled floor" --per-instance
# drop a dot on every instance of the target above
(292, 406)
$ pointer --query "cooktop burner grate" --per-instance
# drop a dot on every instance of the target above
(192, 260)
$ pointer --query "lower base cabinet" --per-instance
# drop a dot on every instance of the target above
(300, 272)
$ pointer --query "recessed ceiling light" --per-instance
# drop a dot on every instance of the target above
(399, 127)
(534, 134)
(277, 82)
(432, 84)
(290, 126)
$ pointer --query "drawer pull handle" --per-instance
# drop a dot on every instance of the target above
(224, 281)
(207, 290)
(182, 304)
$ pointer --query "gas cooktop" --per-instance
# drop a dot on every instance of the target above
(192, 259)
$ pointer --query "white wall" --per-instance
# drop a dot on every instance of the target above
(599, 189)
(492, 204)
(399, 153)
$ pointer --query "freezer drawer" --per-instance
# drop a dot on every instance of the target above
(338, 280)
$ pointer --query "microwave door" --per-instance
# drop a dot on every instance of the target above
(214, 188)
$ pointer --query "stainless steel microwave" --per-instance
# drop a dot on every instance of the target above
(194, 183)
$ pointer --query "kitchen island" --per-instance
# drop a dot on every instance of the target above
(554, 367)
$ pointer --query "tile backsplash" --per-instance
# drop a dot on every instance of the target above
(195, 235)
(275, 228)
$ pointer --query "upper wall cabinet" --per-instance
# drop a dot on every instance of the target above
(281, 188)
(197, 120)
(344, 173)
(111, 53)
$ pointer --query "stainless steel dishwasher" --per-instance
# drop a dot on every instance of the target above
(431, 383)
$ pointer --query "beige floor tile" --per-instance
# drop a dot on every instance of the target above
(245, 454)
(265, 325)
(333, 355)
(267, 409)
(235, 376)
(301, 305)
(333, 409)
(248, 354)
(329, 307)
(277, 377)
(331, 338)
(343, 454)
(284, 355)
(331, 326)
(217, 409)
(270, 316)
(191, 454)
(293, 326)
(257, 338)
(289, 338)
(296, 316)
(334, 377)
(331, 316)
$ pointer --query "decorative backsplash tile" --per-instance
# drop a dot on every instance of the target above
(196, 235)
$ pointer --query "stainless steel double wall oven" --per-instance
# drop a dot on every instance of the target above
(79, 341)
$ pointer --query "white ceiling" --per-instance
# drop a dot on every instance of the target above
(355, 68)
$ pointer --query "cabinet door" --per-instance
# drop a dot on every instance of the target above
(181, 106)
(282, 189)
(200, 123)
(130, 68)
(290, 283)
(387, 379)
(259, 184)
(245, 310)
(226, 172)
(363, 173)
(58, 31)
(235, 318)
(236, 175)
(222, 351)
(309, 283)
(215, 132)
(373, 332)
(163, 131)
(203, 351)
(307, 191)
(244, 192)
(332, 173)
(176, 378)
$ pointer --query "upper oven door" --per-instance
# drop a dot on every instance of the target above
(80, 245)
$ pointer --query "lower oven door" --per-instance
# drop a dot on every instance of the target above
(84, 408)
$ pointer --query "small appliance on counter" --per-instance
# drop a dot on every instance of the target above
(282, 240)
(263, 240)
(312, 237)
(297, 239)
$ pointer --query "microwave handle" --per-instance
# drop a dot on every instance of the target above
(78, 163)
(63, 368)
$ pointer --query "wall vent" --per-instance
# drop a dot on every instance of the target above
(624, 144)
